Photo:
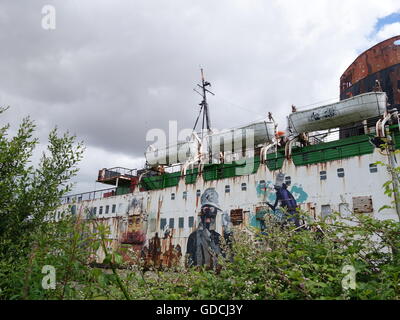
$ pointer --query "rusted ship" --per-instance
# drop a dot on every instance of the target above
(326, 159)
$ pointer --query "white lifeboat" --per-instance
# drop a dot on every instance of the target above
(256, 133)
(352, 110)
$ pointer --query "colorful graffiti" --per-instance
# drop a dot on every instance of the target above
(203, 247)
(278, 196)
(266, 191)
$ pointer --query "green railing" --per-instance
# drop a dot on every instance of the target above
(328, 151)
(335, 150)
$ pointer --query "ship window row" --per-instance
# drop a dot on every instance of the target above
(104, 209)
(373, 168)
(171, 222)
(198, 192)
(288, 181)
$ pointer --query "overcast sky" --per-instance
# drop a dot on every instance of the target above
(112, 70)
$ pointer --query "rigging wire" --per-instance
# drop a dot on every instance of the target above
(318, 102)
(259, 114)
(238, 106)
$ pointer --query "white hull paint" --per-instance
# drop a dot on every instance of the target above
(316, 196)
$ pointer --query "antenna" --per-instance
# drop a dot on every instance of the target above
(204, 105)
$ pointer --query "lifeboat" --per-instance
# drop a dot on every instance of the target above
(344, 112)
(256, 133)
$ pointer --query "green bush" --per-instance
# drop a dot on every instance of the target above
(293, 264)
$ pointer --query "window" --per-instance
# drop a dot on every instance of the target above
(107, 209)
(244, 186)
(73, 209)
(326, 210)
(185, 195)
(171, 223)
(172, 196)
(322, 175)
(288, 180)
(191, 222)
(373, 168)
(100, 210)
(181, 222)
(340, 172)
(114, 207)
(198, 193)
(237, 217)
(94, 210)
(227, 188)
(163, 223)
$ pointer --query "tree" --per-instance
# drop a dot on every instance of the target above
(29, 194)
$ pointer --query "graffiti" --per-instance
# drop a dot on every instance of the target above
(325, 114)
(135, 232)
(266, 191)
(203, 245)
(284, 201)
(135, 206)
(287, 202)
(298, 193)
(262, 212)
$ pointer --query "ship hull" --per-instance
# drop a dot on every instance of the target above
(157, 225)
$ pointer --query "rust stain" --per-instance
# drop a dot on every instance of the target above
(379, 57)
(160, 202)
(381, 62)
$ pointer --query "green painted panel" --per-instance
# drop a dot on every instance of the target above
(153, 183)
(335, 150)
(191, 176)
(275, 160)
(122, 190)
(209, 172)
(171, 179)
(330, 151)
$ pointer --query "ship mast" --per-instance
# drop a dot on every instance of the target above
(204, 105)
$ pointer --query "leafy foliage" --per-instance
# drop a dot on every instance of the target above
(289, 264)
(29, 194)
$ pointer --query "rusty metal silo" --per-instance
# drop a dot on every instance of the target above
(381, 62)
